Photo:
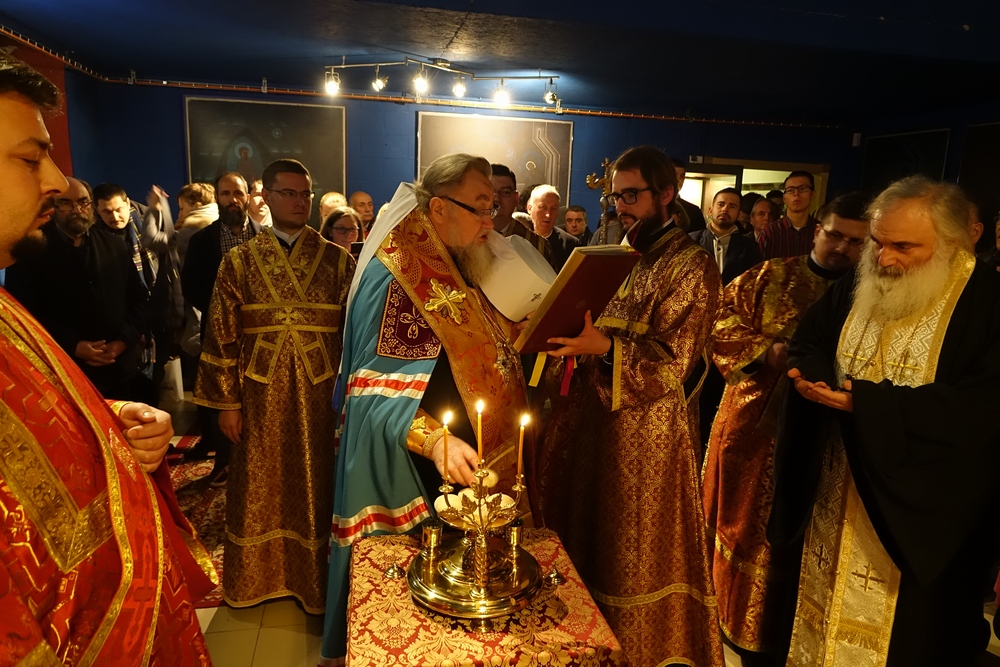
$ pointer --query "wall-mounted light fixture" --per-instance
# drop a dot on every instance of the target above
(550, 96)
(379, 82)
(421, 82)
(332, 81)
(501, 97)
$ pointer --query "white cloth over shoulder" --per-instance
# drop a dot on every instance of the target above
(520, 277)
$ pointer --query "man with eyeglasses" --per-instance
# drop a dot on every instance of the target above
(268, 363)
(505, 200)
(619, 469)
(793, 234)
(420, 340)
(762, 308)
(85, 290)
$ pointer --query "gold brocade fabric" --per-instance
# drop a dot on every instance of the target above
(476, 337)
(272, 348)
(619, 474)
(848, 586)
(561, 627)
(762, 307)
(90, 572)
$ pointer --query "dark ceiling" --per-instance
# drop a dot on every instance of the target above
(835, 62)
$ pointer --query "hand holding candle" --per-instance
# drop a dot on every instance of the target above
(525, 418)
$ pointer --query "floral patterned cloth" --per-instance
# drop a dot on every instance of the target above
(562, 626)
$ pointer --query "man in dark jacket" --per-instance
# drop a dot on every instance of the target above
(85, 290)
(201, 264)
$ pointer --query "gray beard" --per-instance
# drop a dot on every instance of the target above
(475, 262)
(889, 294)
(74, 224)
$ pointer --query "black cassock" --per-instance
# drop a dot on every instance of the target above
(926, 462)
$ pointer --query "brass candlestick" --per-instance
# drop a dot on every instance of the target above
(484, 572)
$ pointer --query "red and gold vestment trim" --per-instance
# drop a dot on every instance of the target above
(475, 336)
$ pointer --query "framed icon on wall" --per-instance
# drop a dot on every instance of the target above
(537, 151)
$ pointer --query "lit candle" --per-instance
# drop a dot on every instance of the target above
(444, 423)
(479, 427)
(520, 445)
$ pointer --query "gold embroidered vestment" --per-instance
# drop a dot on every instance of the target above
(272, 348)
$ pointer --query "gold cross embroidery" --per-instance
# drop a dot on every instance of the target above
(447, 300)
(868, 576)
(822, 559)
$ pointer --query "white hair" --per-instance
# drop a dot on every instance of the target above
(540, 191)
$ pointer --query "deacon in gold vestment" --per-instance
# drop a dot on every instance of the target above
(618, 471)
(888, 462)
(762, 308)
(270, 356)
(97, 565)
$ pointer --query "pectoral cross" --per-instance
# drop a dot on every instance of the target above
(501, 362)
(446, 300)
(868, 576)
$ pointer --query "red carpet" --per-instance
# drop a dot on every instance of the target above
(205, 508)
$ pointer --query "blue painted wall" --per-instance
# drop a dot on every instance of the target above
(135, 135)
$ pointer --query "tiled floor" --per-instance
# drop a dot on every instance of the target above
(274, 634)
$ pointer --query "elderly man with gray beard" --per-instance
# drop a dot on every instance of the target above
(887, 467)
(420, 339)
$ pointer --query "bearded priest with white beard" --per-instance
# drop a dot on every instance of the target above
(420, 339)
(887, 469)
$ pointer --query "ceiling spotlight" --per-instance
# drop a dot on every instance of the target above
(332, 82)
(550, 96)
(420, 84)
(379, 83)
(501, 97)
(459, 88)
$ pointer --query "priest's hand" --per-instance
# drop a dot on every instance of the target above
(820, 392)
(462, 459)
(148, 432)
(231, 424)
(590, 341)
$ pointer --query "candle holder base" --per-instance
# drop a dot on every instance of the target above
(441, 580)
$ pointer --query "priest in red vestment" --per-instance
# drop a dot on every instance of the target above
(98, 565)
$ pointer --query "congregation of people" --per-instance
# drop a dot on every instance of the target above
(778, 435)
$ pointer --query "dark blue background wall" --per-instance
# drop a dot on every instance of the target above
(135, 135)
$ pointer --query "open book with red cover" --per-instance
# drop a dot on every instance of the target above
(589, 279)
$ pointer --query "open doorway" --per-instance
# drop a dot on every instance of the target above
(761, 176)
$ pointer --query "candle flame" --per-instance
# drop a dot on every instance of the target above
(447, 418)
(479, 407)
(525, 418)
